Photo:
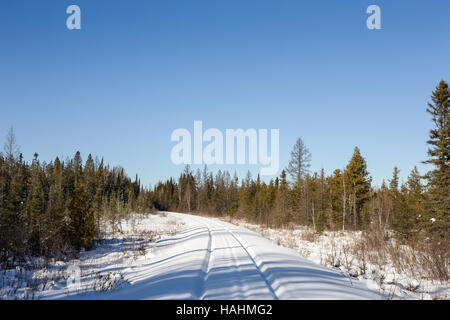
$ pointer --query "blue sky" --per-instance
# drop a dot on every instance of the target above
(137, 70)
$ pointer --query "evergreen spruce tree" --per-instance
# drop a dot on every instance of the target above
(409, 207)
(394, 183)
(82, 218)
(438, 209)
(55, 230)
(323, 212)
(336, 204)
(35, 204)
(281, 201)
(358, 184)
(99, 199)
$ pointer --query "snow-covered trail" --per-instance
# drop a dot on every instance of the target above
(212, 259)
(231, 271)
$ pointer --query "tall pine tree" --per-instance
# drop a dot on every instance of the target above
(439, 156)
(358, 185)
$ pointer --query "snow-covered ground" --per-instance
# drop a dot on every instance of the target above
(180, 256)
(340, 251)
(105, 268)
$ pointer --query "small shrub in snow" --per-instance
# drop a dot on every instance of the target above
(142, 250)
(413, 286)
(111, 281)
(353, 273)
(378, 277)
(309, 236)
(291, 242)
(336, 263)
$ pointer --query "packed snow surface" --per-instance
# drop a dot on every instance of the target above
(206, 259)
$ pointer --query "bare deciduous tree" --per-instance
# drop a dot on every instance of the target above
(10, 148)
(300, 161)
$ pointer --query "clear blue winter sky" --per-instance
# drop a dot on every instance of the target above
(137, 70)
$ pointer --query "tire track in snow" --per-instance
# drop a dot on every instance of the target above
(207, 261)
(252, 257)
(227, 259)
(242, 285)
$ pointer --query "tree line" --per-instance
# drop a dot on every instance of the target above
(50, 209)
(55, 208)
(343, 200)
